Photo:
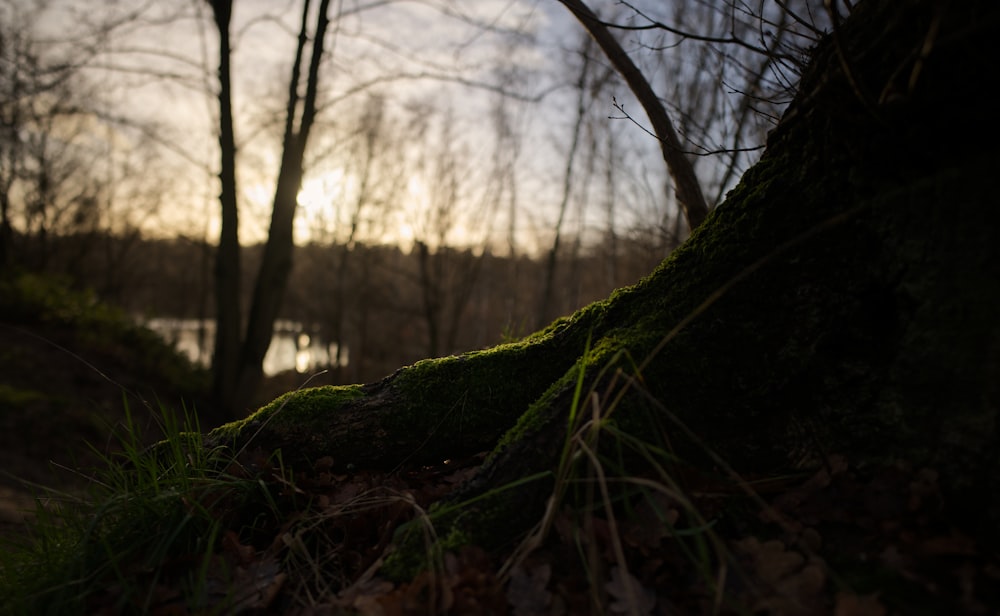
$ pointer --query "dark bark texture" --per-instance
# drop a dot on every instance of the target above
(842, 300)
(227, 258)
(238, 366)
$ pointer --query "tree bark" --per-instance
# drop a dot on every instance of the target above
(228, 316)
(842, 300)
(276, 262)
(6, 232)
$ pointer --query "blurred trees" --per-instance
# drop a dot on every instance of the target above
(730, 69)
(383, 325)
(689, 194)
(467, 194)
(78, 178)
(46, 139)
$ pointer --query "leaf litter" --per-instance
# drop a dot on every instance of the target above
(844, 541)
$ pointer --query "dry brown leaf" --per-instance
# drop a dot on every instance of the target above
(628, 594)
(806, 584)
(771, 561)
(790, 584)
(654, 519)
(527, 590)
(253, 587)
(243, 554)
(368, 606)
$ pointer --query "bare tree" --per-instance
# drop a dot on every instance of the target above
(226, 360)
(372, 123)
(67, 165)
(544, 310)
(445, 277)
(371, 181)
(731, 78)
(238, 364)
(39, 154)
(688, 188)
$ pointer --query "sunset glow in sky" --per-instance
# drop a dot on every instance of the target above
(472, 106)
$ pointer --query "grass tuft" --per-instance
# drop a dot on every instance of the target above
(146, 517)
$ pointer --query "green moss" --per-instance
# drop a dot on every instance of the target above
(414, 555)
(482, 391)
(304, 404)
(300, 408)
(31, 299)
(537, 413)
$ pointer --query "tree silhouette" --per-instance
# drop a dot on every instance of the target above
(238, 361)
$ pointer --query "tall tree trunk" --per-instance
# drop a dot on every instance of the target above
(276, 262)
(228, 315)
(686, 184)
(6, 233)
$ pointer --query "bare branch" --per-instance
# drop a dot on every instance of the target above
(689, 194)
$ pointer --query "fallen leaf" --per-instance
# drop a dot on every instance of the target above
(243, 554)
(771, 561)
(629, 596)
(527, 590)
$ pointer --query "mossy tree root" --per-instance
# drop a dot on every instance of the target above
(842, 299)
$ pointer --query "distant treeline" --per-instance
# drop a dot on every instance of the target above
(388, 306)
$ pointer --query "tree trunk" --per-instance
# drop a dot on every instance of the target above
(6, 232)
(842, 300)
(228, 317)
(276, 262)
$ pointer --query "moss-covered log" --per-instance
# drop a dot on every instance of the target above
(843, 299)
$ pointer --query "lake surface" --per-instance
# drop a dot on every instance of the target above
(292, 348)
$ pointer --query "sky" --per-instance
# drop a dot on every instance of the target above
(436, 66)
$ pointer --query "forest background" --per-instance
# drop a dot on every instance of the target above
(474, 171)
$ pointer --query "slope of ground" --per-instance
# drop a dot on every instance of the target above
(69, 366)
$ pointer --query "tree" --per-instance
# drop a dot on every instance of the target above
(842, 300)
(228, 320)
(238, 361)
(445, 276)
(686, 183)
(838, 310)
(581, 86)
(340, 287)
(69, 167)
(44, 162)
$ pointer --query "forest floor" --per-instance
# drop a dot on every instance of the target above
(840, 540)
(62, 402)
